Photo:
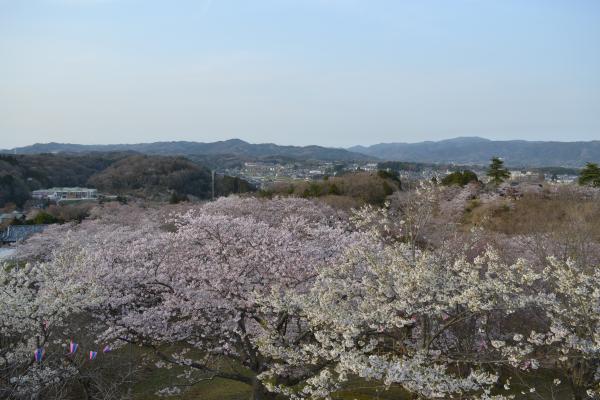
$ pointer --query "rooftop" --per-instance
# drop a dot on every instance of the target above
(65, 189)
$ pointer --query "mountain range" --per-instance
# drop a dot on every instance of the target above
(234, 147)
(462, 150)
(476, 150)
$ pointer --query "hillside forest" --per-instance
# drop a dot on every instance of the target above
(127, 174)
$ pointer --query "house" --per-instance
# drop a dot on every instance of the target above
(370, 167)
(16, 233)
(58, 194)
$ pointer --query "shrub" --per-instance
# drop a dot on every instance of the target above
(460, 178)
(43, 218)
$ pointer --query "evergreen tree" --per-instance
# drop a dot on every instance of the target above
(460, 178)
(590, 175)
(497, 172)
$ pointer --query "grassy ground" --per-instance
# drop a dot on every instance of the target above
(223, 389)
(217, 389)
(151, 379)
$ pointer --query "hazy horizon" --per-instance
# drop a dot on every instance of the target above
(288, 144)
(326, 72)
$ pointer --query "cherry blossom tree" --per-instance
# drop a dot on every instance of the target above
(571, 304)
(45, 301)
(294, 298)
(198, 286)
(37, 304)
(442, 326)
(430, 327)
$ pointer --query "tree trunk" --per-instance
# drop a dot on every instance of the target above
(579, 393)
(582, 377)
(260, 392)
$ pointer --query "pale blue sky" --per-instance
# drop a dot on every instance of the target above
(329, 72)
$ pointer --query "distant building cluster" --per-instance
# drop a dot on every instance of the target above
(58, 194)
(263, 174)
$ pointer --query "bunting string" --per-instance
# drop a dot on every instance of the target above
(39, 354)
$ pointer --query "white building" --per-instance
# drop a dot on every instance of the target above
(65, 193)
(370, 167)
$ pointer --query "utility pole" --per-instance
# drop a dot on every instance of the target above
(213, 184)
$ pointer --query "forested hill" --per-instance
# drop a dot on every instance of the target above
(467, 150)
(156, 177)
(474, 150)
(230, 147)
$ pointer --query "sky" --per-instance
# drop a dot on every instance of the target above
(328, 72)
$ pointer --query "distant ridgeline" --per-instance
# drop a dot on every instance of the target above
(465, 151)
(478, 151)
(156, 177)
(234, 147)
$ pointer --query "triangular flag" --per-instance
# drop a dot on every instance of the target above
(39, 354)
(73, 347)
